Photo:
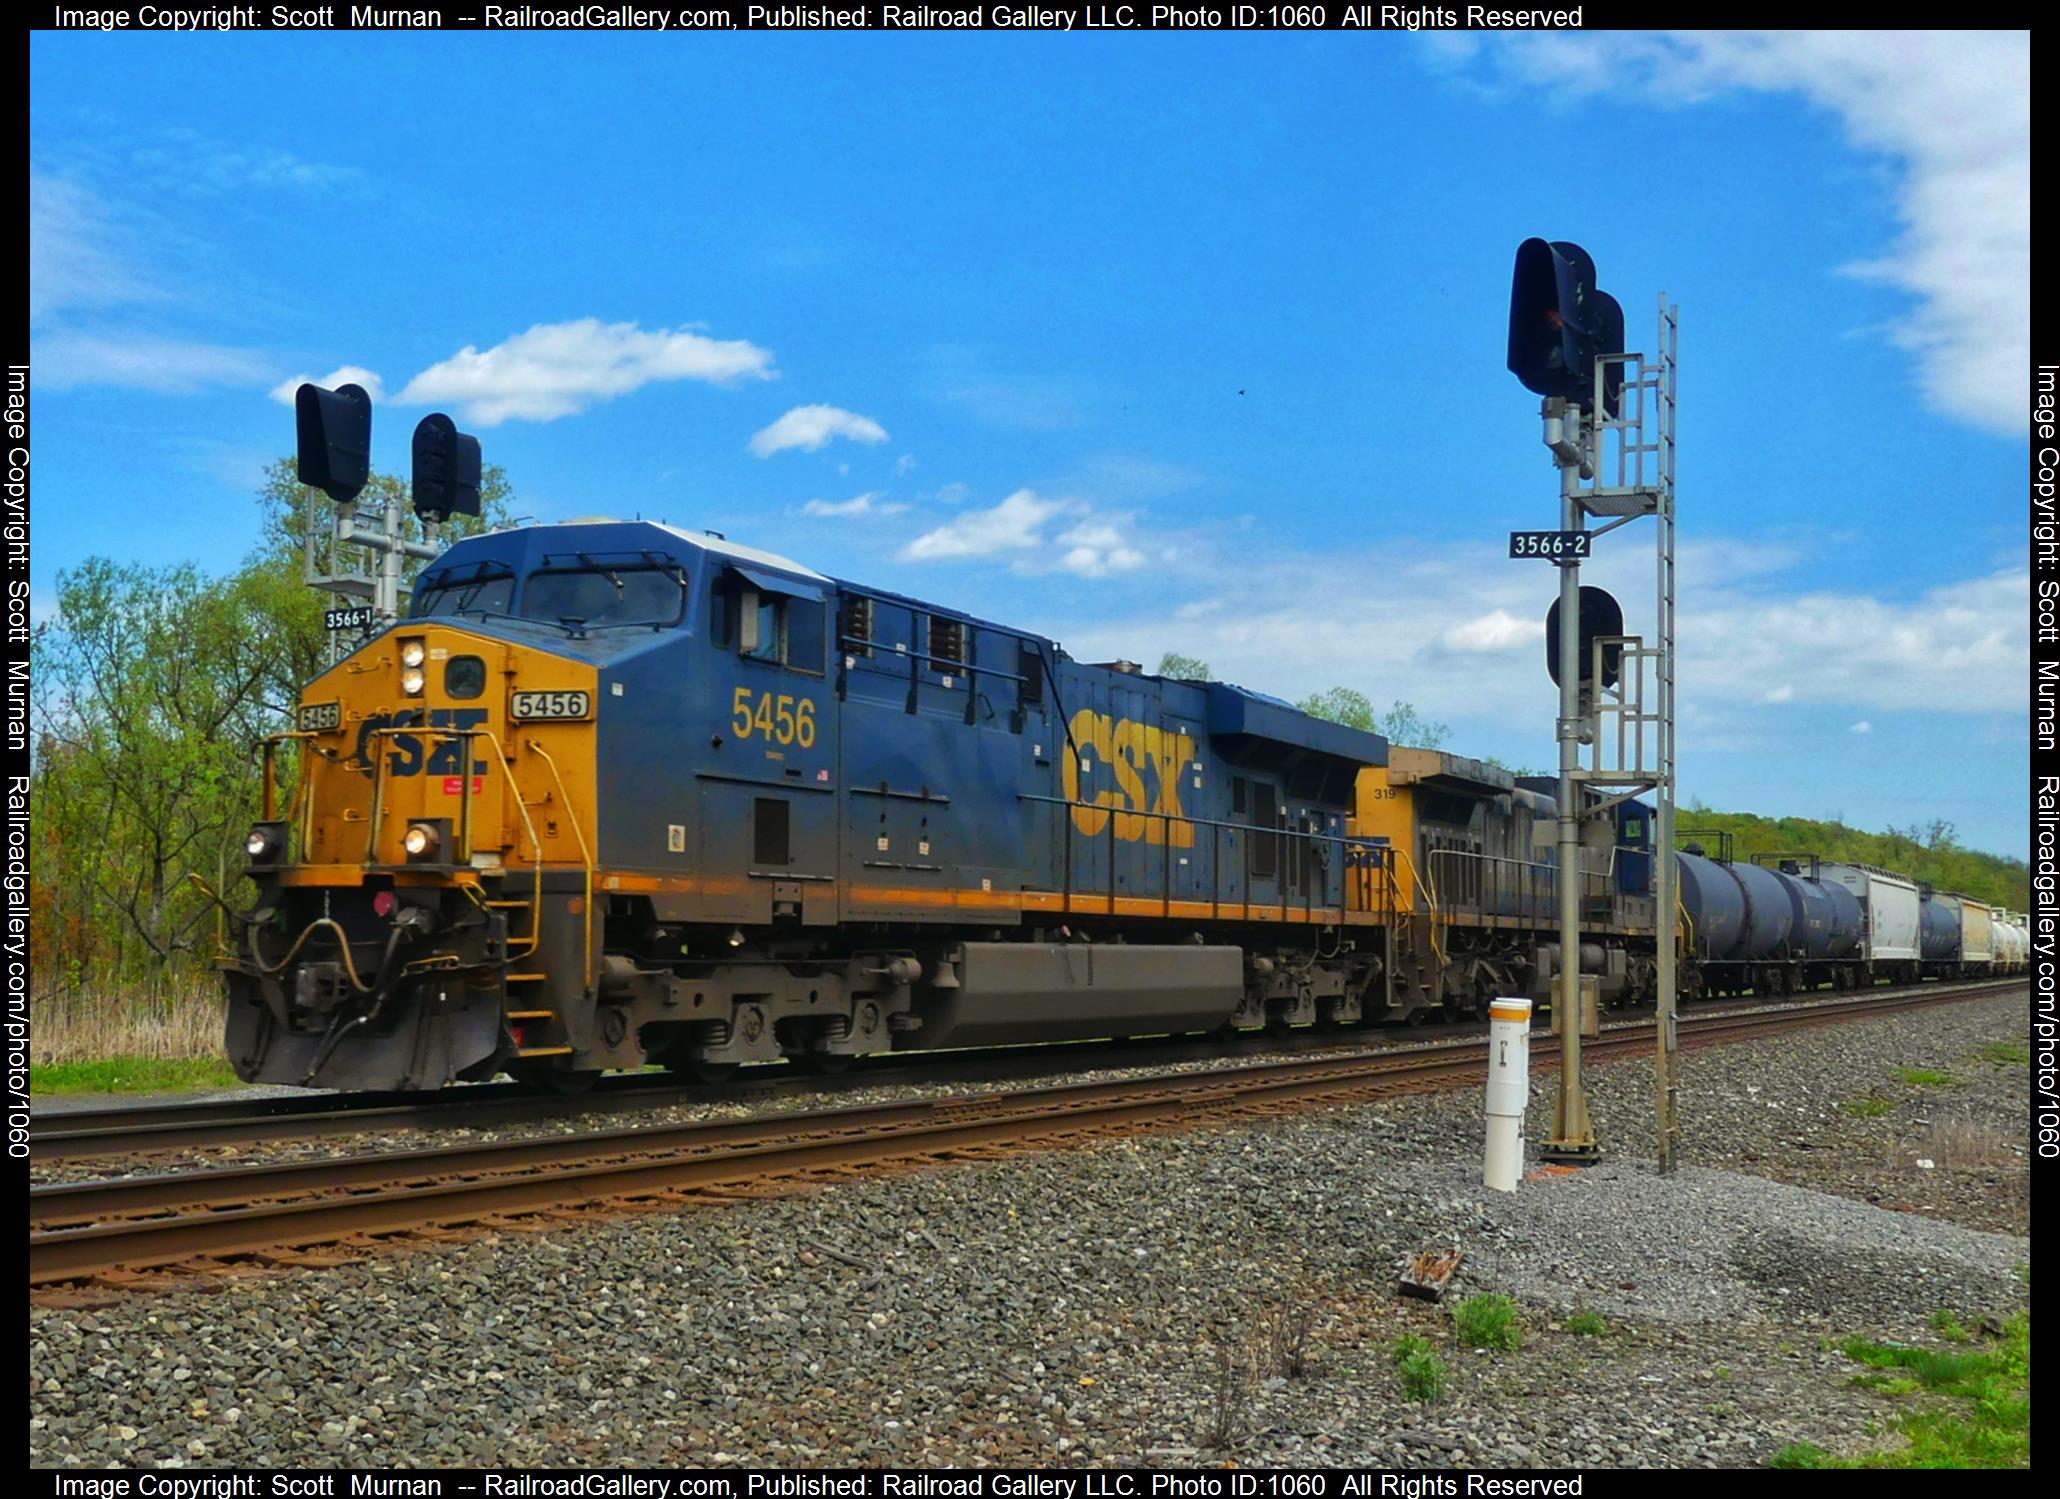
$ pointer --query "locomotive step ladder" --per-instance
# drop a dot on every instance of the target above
(533, 1014)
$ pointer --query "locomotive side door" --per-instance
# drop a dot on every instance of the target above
(769, 813)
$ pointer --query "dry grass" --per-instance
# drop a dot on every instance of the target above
(1960, 1143)
(183, 1021)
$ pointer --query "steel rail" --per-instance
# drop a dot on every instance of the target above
(143, 1129)
(78, 1230)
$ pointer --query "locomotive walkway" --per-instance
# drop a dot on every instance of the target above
(149, 1231)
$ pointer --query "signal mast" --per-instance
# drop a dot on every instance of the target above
(1566, 344)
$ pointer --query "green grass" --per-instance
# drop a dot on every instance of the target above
(133, 1075)
(1946, 1325)
(2005, 1052)
(1979, 1413)
(1868, 1107)
(1587, 1324)
(1927, 1077)
(1421, 1371)
(1488, 1320)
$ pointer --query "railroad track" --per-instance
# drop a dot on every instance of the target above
(114, 1233)
(141, 1130)
(145, 1129)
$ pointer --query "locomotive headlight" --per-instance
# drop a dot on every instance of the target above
(266, 842)
(420, 840)
(413, 653)
(411, 681)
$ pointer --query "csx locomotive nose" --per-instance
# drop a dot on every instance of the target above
(411, 815)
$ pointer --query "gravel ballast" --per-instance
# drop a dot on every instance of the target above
(1140, 1300)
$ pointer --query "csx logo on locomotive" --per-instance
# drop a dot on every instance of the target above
(1127, 747)
(405, 755)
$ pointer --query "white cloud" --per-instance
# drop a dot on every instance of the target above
(1497, 630)
(905, 464)
(1015, 525)
(1456, 630)
(1093, 544)
(71, 263)
(560, 369)
(869, 503)
(1952, 108)
(1097, 548)
(811, 427)
(347, 374)
(200, 167)
(169, 366)
(1862, 727)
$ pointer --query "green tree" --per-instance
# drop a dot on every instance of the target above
(1186, 668)
(1401, 724)
(149, 688)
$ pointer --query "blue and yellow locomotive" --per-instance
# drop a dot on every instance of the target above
(616, 793)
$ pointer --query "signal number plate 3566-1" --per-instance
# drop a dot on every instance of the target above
(783, 719)
(535, 705)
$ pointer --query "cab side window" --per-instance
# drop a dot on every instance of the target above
(761, 632)
(775, 627)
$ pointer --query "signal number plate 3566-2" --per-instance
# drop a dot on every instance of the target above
(535, 705)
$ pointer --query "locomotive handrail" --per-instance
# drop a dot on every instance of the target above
(874, 650)
(1305, 838)
(1429, 890)
(1593, 881)
(465, 813)
(270, 802)
(586, 858)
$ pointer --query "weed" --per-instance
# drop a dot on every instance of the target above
(1409, 1345)
(1802, 1455)
(1287, 1331)
(1488, 1320)
(1588, 1324)
(1421, 1371)
(1868, 1107)
(1230, 1399)
(2005, 1053)
(1946, 1325)
(1981, 1418)
(1927, 1077)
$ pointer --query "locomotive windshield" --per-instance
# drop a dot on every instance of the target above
(601, 595)
(478, 588)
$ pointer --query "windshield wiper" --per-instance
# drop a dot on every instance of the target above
(606, 572)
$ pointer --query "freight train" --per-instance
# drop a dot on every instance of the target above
(614, 793)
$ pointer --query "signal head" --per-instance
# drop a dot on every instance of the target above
(333, 431)
(446, 476)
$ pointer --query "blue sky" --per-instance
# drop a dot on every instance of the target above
(1149, 342)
